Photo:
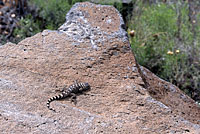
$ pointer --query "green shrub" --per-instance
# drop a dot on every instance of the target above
(48, 14)
(155, 30)
(27, 27)
(164, 43)
(51, 12)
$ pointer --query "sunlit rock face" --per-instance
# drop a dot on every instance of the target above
(91, 46)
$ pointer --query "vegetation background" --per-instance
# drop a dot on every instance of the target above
(164, 34)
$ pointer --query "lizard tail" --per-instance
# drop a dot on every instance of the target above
(48, 104)
(52, 99)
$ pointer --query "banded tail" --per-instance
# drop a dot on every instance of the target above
(58, 97)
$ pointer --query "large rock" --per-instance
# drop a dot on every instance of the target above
(92, 47)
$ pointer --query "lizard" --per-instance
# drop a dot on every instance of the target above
(71, 91)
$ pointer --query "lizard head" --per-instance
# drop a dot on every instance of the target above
(86, 86)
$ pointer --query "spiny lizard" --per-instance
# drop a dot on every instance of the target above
(69, 92)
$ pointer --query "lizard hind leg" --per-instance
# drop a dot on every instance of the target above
(73, 98)
(63, 89)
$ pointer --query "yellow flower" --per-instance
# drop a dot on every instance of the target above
(132, 33)
(177, 51)
(13, 15)
(170, 52)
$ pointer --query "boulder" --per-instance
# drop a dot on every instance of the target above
(91, 46)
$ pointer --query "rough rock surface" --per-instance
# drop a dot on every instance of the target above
(92, 47)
